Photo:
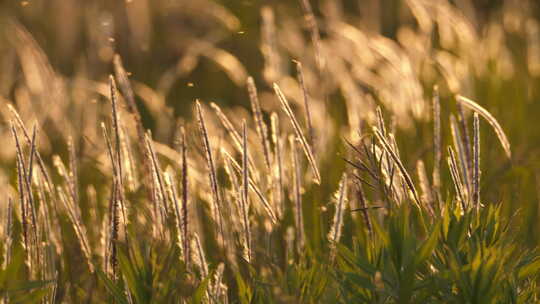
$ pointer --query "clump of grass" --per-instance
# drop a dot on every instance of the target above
(273, 215)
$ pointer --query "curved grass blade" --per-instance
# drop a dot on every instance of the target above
(490, 119)
(299, 133)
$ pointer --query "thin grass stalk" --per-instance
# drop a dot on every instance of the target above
(31, 201)
(73, 170)
(24, 213)
(380, 121)
(217, 284)
(131, 106)
(8, 241)
(389, 165)
(393, 145)
(211, 171)
(22, 188)
(375, 163)
(171, 190)
(244, 197)
(456, 178)
(229, 127)
(458, 143)
(107, 233)
(466, 139)
(437, 142)
(129, 162)
(158, 176)
(116, 175)
(118, 150)
(41, 163)
(301, 80)
(231, 130)
(9, 234)
(260, 124)
(299, 134)
(278, 176)
(364, 209)
(185, 195)
(491, 120)
(267, 207)
(340, 199)
(46, 232)
(116, 130)
(297, 195)
(236, 218)
(199, 258)
(476, 161)
(114, 227)
(396, 159)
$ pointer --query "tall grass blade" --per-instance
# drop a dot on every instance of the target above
(211, 171)
(490, 119)
(299, 133)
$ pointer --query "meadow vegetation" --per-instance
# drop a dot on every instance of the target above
(283, 152)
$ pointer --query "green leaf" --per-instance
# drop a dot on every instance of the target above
(429, 245)
(200, 292)
(530, 269)
(113, 288)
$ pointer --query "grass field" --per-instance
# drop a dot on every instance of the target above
(269, 152)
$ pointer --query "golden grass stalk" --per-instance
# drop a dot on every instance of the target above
(364, 208)
(456, 178)
(129, 162)
(110, 150)
(380, 121)
(185, 192)
(116, 175)
(26, 135)
(73, 171)
(297, 194)
(299, 134)
(231, 130)
(114, 227)
(267, 207)
(229, 127)
(212, 175)
(458, 143)
(260, 124)
(199, 258)
(278, 168)
(340, 200)
(244, 197)
(116, 130)
(490, 119)
(28, 215)
(437, 142)
(131, 106)
(157, 176)
(173, 197)
(476, 161)
(218, 288)
(466, 139)
(399, 164)
(8, 240)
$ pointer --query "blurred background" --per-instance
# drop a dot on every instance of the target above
(56, 55)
